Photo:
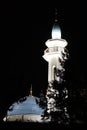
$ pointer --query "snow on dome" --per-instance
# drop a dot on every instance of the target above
(26, 109)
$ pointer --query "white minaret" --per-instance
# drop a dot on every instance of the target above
(57, 93)
(55, 48)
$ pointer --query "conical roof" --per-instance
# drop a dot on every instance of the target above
(56, 31)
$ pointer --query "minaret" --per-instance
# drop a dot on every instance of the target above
(54, 52)
(57, 93)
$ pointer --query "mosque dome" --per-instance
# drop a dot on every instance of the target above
(25, 109)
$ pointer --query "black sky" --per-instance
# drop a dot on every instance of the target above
(23, 44)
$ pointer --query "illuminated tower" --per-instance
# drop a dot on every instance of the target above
(56, 55)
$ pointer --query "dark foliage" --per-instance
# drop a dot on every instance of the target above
(58, 113)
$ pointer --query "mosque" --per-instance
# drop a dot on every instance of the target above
(28, 108)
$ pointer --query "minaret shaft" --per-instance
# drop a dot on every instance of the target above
(52, 55)
(52, 64)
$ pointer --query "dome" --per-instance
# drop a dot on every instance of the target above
(26, 109)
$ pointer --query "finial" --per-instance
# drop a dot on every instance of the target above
(56, 14)
(30, 94)
(56, 31)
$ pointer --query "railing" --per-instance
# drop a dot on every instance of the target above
(51, 49)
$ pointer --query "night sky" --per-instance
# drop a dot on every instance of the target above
(23, 44)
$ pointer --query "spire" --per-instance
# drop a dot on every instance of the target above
(30, 94)
(56, 15)
(56, 31)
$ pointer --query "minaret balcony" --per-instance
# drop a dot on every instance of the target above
(56, 43)
(51, 49)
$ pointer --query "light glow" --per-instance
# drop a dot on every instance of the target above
(56, 42)
(56, 32)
